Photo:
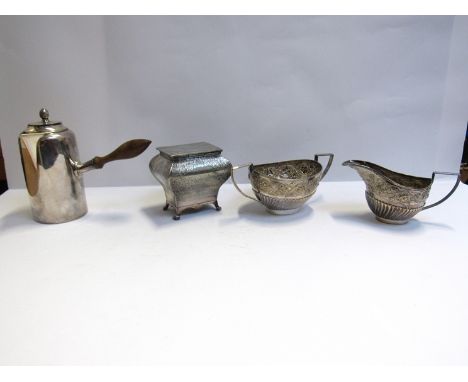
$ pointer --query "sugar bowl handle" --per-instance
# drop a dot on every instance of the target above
(451, 191)
(329, 163)
(233, 168)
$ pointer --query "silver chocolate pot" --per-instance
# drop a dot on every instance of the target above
(52, 169)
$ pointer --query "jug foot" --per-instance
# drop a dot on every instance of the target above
(176, 217)
(283, 212)
(388, 221)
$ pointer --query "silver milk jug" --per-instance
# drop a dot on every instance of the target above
(52, 169)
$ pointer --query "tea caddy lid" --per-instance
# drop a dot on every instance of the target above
(198, 149)
(44, 125)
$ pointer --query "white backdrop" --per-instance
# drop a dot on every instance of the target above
(386, 89)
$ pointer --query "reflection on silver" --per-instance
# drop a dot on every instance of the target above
(191, 175)
(284, 187)
(395, 198)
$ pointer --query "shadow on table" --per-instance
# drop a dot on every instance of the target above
(106, 218)
(23, 218)
(19, 218)
(257, 213)
(368, 219)
(162, 218)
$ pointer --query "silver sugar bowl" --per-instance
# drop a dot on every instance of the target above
(284, 187)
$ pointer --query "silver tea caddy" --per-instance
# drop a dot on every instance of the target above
(52, 169)
(190, 174)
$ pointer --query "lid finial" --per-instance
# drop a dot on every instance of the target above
(44, 114)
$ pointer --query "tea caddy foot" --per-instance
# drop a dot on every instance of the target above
(178, 212)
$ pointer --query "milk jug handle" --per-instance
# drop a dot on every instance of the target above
(329, 163)
(235, 183)
(451, 191)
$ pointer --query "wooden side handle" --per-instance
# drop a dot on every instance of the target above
(127, 150)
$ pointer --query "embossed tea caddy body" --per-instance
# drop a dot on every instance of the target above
(190, 174)
(52, 170)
